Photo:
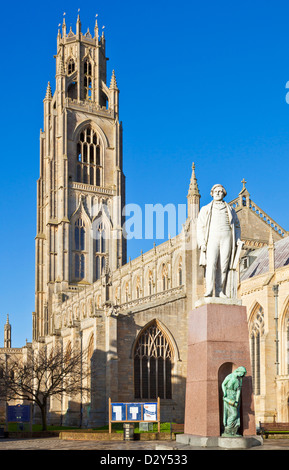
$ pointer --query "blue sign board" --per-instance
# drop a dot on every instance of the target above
(134, 412)
(18, 413)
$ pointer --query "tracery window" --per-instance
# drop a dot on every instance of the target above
(256, 332)
(79, 250)
(87, 71)
(88, 156)
(70, 66)
(100, 236)
(152, 364)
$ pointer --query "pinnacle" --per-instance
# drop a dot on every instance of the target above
(193, 189)
(61, 66)
(113, 84)
(48, 95)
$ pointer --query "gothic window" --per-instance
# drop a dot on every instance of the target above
(72, 91)
(70, 66)
(97, 177)
(256, 332)
(97, 268)
(152, 364)
(88, 157)
(87, 71)
(100, 237)
(79, 250)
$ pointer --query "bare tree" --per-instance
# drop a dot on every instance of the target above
(43, 374)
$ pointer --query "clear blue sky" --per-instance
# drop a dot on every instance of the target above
(200, 81)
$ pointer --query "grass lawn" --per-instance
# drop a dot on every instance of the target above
(117, 427)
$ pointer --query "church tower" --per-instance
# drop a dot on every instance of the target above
(81, 188)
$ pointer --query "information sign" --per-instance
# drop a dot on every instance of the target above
(18, 414)
(134, 412)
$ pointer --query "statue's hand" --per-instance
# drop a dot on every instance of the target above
(204, 248)
(239, 242)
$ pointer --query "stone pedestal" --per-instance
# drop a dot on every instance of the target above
(218, 343)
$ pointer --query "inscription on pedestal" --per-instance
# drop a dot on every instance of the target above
(228, 355)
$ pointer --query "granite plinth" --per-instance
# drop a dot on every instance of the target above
(218, 343)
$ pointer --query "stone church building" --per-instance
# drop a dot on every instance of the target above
(132, 315)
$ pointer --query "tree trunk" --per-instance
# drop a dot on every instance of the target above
(43, 416)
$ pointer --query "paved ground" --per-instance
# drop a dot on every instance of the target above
(57, 444)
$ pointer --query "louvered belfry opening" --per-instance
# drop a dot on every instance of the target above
(152, 364)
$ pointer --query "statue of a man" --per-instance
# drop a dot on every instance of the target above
(218, 235)
(231, 388)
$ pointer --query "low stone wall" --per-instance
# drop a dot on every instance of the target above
(114, 436)
(29, 434)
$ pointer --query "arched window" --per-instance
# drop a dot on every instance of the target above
(70, 66)
(87, 71)
(79, 250)
(152, 364)
(256, 332)
(100, 248)
(79, 235)
(88, 157)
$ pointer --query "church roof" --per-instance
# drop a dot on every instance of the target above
(261, 264)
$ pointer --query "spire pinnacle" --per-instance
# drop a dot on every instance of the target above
(78, 23)
(48, 95)
(96, 27)
(193, 196)
(113, 84)
(60, 66)
(193, 188)
(63, 26)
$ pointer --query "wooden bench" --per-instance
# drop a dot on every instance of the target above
(266, 429)
(176, 428)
